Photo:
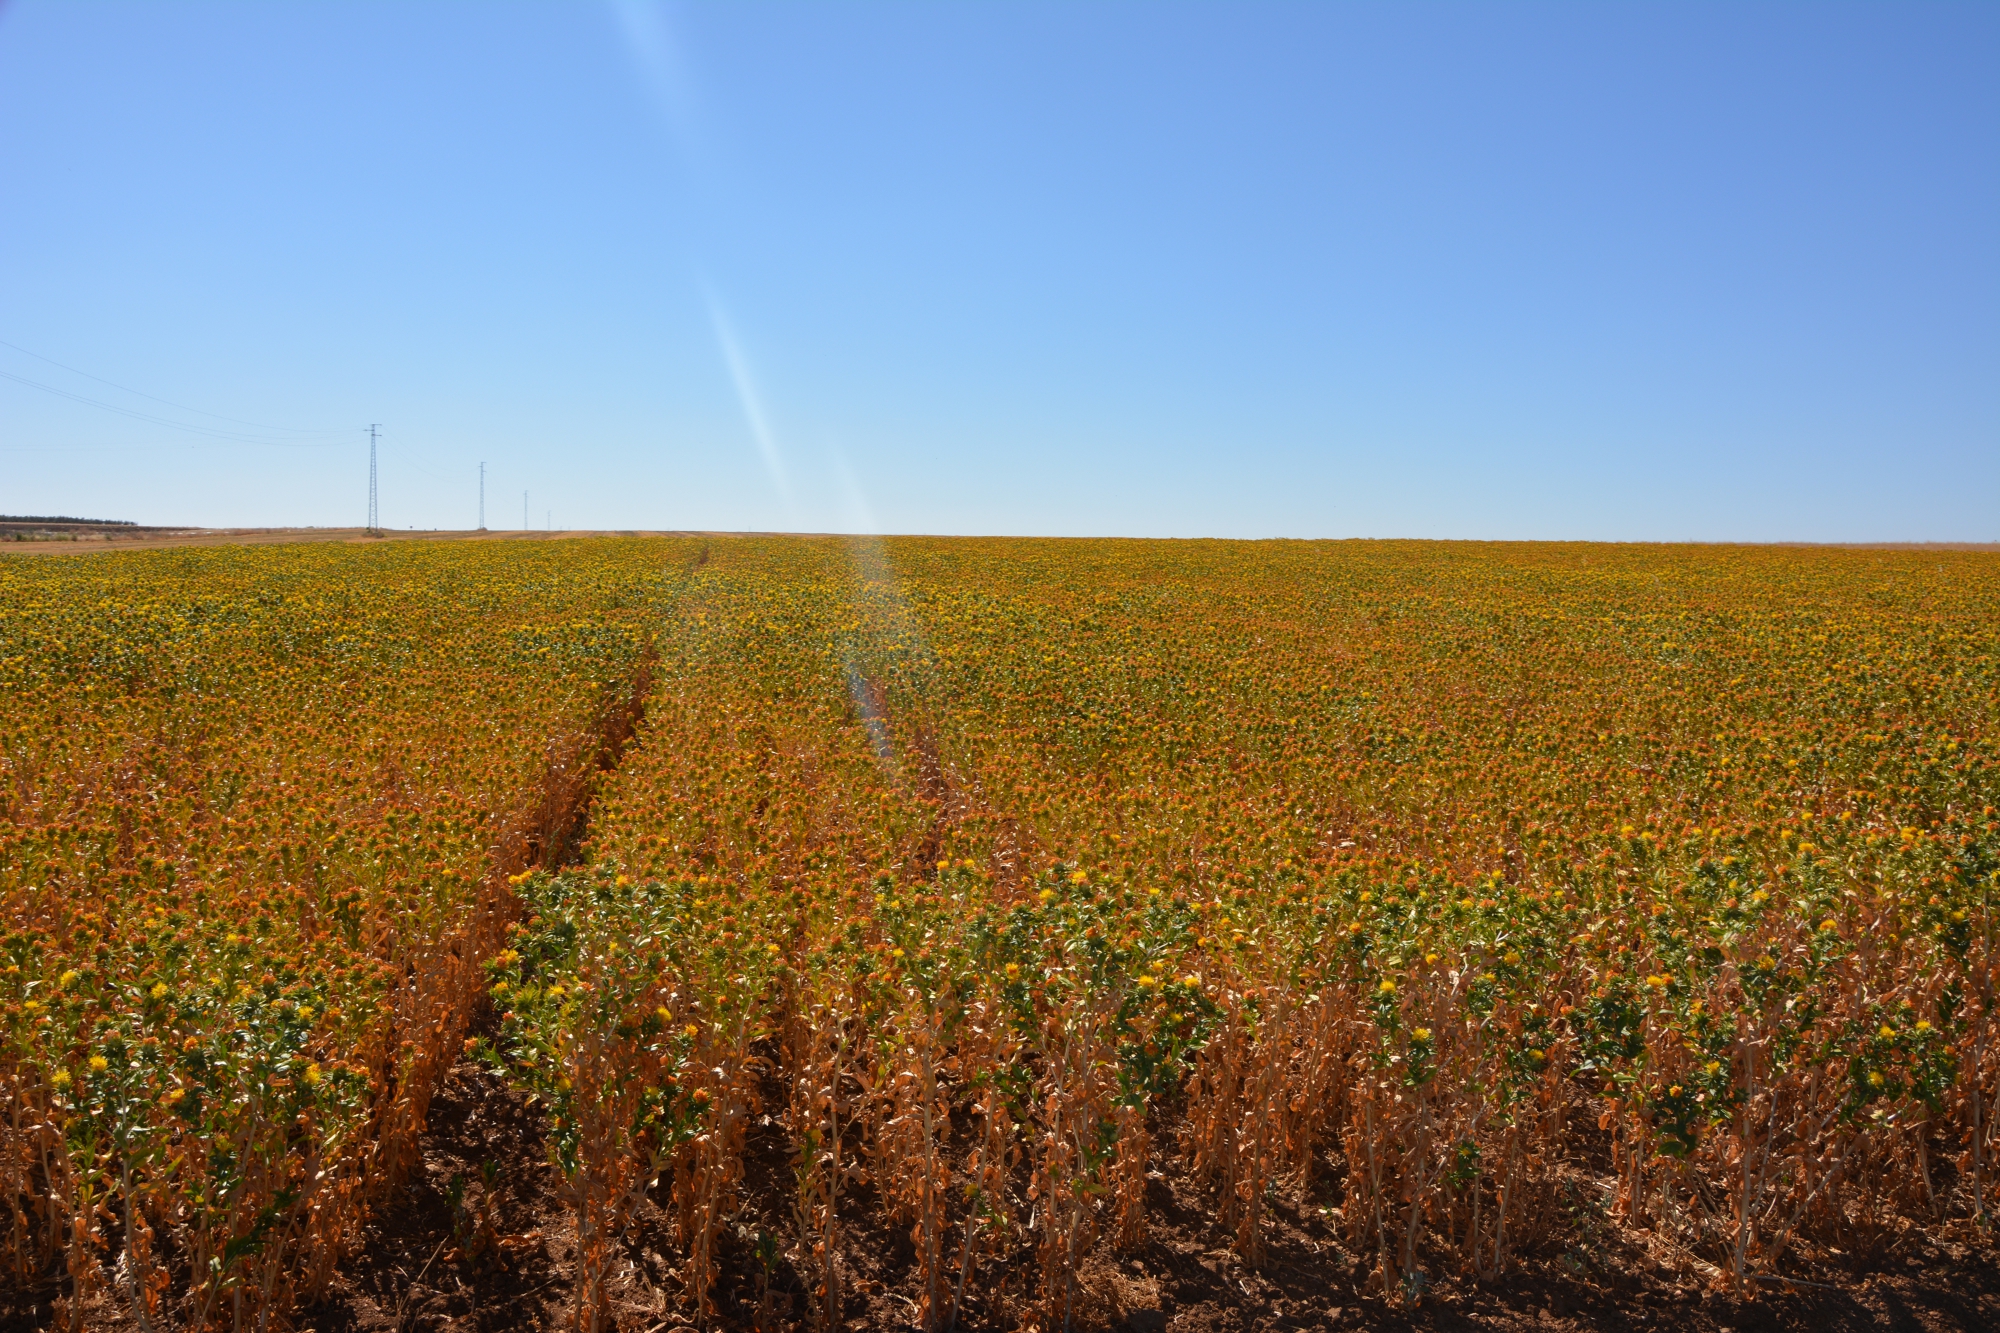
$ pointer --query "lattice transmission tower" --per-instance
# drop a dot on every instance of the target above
(374, 515)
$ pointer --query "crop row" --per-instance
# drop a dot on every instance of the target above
(257, 809)
(1417, 882)
(1405, 878)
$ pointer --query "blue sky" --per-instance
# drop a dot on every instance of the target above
(1569, 271)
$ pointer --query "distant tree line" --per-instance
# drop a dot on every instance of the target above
(44, 518)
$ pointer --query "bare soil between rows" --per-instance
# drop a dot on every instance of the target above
(424, 1264)
(479, 1239)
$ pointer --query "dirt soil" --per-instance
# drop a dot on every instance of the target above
(426, 1265)
(480, 1241)
(477, 1239)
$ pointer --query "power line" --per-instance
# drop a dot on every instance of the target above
(404, 459)
(237, 437)
(289, 430)
(373, 515)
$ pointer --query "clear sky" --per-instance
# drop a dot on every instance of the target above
(1709, 271)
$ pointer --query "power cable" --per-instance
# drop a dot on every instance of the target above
(235, 436)
(289, 430)
(403, 460)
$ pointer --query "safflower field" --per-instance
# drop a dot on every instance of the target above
(953, 933)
